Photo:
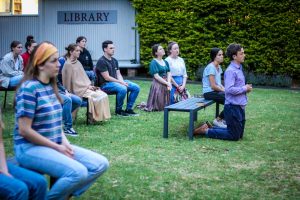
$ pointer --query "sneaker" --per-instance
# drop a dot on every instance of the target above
(122, 113)
(224, 122)
(70, 132)
(219, 123)
(130, 112)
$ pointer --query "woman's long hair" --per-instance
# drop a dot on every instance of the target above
(213, 53)
(32, 70)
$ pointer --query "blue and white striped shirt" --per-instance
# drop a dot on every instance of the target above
(38, 101)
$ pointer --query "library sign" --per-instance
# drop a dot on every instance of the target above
(87, 17)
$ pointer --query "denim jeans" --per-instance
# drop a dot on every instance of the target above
(74, 175)
(70, 103)
(178, 80)
(121, 91)
(15, 81)
(235, 120)
(91, 74)
(24, 184)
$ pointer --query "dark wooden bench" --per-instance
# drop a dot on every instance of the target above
(191, 105)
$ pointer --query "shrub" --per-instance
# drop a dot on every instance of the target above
(269, 31)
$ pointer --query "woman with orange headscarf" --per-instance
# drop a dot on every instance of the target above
(40, 143)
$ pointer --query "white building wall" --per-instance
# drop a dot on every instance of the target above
(17, 28)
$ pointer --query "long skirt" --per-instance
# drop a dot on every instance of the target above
(98, 105)
(159, 97)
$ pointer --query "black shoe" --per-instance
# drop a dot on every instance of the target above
(131, 112)
(70, 132)
(122, 113)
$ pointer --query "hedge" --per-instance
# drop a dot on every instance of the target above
(268, 30)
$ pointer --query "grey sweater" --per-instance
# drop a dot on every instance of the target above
(8, 69)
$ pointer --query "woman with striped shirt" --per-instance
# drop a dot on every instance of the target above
(40, 143)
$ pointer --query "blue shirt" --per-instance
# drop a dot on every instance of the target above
(38, 102)
(210, 69)
(235, 89)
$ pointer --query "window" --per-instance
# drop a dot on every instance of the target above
(5, 6)
(19, 7)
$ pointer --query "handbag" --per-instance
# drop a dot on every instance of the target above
(180, 96)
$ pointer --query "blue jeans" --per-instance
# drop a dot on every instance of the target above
(24, 184)
(74, 175)
(121, 91)
(91, 74)
(15, 81)
(235, 120)
(70, 103)
(179, 81)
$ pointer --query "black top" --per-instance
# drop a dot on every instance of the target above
(104, 65)
(85, 59)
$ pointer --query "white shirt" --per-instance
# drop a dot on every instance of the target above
(177, 66)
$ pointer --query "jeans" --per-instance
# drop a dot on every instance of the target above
(121, 91)
(74, 175)
(70, 103)
(15, 81)
(235, 120)
(178, 80)
(24, 184)
(218, 97)
(91, 74)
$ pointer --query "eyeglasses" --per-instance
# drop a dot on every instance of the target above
(19, 47)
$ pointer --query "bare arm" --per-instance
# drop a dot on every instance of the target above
(213, 84)
(34, 137)
(3, 165)
(109, 78)
(163, 81)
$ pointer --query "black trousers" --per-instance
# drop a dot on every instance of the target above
(218, 97)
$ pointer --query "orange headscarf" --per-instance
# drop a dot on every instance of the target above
(44, 51)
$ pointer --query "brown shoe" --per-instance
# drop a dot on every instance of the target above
(208, 124)
(201, 130)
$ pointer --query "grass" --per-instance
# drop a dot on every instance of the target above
(143, 165)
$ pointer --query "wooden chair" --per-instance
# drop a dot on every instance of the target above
(85, 104)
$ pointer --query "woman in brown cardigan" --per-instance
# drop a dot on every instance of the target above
(77, 82)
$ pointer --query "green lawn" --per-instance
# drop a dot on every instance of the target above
(143, 165)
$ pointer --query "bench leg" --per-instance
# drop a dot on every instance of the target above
(166, 123)
(196, 116)
(191, 125)
(217, 109)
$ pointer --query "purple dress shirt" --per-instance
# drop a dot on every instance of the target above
(235, 89)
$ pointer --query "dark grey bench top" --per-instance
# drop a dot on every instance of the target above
(190, 104)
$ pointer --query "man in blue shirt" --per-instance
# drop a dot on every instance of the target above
(235, 99)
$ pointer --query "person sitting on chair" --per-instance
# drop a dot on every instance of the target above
(110, 79)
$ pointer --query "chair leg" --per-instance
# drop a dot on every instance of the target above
(87, 112)
(116, 104)
(4, 102)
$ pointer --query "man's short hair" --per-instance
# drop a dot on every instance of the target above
(232, 50)
(105, 44)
